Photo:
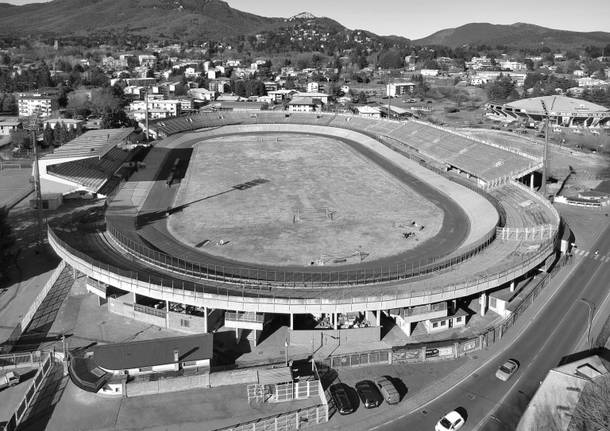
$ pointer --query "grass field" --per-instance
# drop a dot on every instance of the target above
(317, 201)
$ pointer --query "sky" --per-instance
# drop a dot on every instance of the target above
(415, 19)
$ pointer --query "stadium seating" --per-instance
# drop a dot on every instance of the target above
(522, 210)
(475, 157)
(90, 173)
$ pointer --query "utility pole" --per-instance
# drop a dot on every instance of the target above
(33, 126)
(545, 154)
(389, 97)
(146, 110)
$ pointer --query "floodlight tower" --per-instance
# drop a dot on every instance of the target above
(545, 154)
(33, 126)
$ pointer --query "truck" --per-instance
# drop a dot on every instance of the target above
(9, 379)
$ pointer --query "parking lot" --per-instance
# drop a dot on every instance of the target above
(408, 379)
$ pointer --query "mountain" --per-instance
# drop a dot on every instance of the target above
(517, 35)
(302, 15)
(213, 19)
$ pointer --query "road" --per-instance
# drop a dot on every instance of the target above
(493, 405)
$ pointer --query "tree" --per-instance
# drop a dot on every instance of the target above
(63, 133)
(47, 135)
(362, 97)
(391, 59)
(9, 104)
(502, 89)
(21, 138)
(7, 240)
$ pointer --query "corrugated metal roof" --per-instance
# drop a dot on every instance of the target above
(94, 143)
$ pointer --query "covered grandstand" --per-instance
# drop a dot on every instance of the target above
(85, 164)
(563, 111)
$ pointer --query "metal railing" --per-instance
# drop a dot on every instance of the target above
(304, 279)
(19, 414)
(227, 296)
(244, 317)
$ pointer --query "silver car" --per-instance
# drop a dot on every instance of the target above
(507, 369)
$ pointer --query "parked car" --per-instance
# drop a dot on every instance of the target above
(452, 421)
(507, 369)
(369, 394)
(340, 394)
(388, 390)
(9, 379)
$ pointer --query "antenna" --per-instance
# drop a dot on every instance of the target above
(545, 154)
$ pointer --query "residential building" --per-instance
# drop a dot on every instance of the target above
(516, 66)
(38, 103)
(147, 60)
(201, 94)
(271, 86)
(9, 124)
(157, 108)
(591, 82)
(281, 95)
(397, 89)
(304, 104)
(368, 111)
(313, 87)
(322, 97)
(429, 72)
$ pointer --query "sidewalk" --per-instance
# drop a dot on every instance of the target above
(442, 383)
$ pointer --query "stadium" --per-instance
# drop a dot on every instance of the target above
(562, 111)
(239, 219)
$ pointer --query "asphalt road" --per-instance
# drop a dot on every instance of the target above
(493, 405)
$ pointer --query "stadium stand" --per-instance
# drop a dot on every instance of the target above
(487, 162)
(85, 163)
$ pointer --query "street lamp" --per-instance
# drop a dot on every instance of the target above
(591, 313)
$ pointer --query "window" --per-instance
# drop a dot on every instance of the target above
(435, 325)
(458, 319)
(443, 322)
(492, 302)
(185, 323)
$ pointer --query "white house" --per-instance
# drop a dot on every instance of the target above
(368, 111)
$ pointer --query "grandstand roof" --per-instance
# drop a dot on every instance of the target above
(557, 104)
(95, 143)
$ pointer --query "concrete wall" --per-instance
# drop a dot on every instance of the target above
(173, 384)
(319, 337)
(196, 324)
(233, 377)
(118, 306)
(290, 305)
(124, 307)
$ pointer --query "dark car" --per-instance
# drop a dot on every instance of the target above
(369, 394)
(388, 390)
(340, 394)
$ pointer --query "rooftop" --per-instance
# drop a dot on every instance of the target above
(149, 353)
(557, 104)
(95, 143)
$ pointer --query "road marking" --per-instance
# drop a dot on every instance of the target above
(501, 352)
(508, 392)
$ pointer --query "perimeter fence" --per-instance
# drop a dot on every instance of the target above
(451, 348)
(311, 278)
(240, 295)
